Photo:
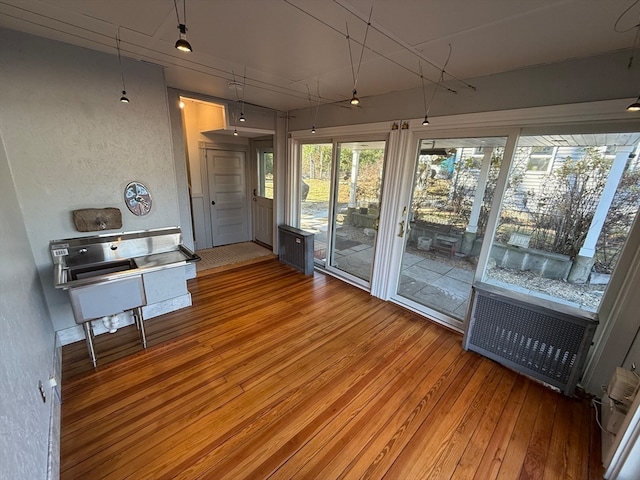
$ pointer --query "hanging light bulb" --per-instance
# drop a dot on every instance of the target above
(313, 129)
(354, 99)
(235, 132)
(635, 106)
(425, 121)
(182, 44)
(242, 119)
(124, 98)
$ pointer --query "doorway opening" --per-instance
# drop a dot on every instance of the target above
(223, 172)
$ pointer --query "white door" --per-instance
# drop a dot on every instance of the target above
(263, 198)
(227, 193)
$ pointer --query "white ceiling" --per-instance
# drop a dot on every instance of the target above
(289, 48)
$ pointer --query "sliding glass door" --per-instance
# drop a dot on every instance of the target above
(340, 203)
(356, 207)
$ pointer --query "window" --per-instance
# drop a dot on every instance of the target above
(540, 159)
(265, 173)
(559, 235)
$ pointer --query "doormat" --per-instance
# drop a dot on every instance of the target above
(343, 244)
(231, 256)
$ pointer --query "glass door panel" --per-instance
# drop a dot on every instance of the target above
(263, 198)
(315, 195)
(453, 186)
(356, 208)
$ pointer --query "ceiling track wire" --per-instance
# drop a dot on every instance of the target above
(119, 59)
(402, 44)
(381, 55)
(259, 84)
(441, 80)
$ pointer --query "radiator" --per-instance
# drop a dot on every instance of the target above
(542, 339)
(295, 248)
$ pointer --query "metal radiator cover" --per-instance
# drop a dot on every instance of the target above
(295, 248)
(546, 341)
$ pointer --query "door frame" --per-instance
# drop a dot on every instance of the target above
(335, 135)
(204, 176)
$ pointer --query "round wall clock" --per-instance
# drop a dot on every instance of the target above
(137, 198)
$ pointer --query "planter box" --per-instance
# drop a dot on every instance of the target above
(545, 264)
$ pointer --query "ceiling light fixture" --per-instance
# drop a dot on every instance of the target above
(242, 119)
(635, 106)
(235, 132)
(182, 44)
(354, 98)
(123, 98)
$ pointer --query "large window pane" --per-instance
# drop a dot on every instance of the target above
(568, 207)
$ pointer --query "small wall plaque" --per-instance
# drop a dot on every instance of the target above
(97, 219)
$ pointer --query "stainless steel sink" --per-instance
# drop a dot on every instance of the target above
(88, 271)
(104, 274)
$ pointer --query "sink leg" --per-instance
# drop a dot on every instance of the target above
(140, 324)
(88, 334)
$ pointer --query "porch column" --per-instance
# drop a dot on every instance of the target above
(585, 259)
(469, 235)
(355, 160)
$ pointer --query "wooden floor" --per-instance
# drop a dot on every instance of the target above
(271, 374)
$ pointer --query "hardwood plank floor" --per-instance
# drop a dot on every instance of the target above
(273, 374)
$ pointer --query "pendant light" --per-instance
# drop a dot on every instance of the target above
(354, 98)
(635, 106)
(123, 98)
(182, 44)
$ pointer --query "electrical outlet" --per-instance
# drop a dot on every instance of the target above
(42, 392)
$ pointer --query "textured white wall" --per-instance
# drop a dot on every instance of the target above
(26, 345)
(71, 144)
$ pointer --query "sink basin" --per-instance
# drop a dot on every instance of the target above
(88, 271)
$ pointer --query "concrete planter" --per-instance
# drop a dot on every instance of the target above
(545, 264)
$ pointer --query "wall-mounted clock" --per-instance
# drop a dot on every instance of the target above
(137, 198)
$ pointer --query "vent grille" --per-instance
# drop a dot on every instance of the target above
(296, 248)
(547, 344)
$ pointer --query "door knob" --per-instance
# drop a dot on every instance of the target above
(212, 202)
